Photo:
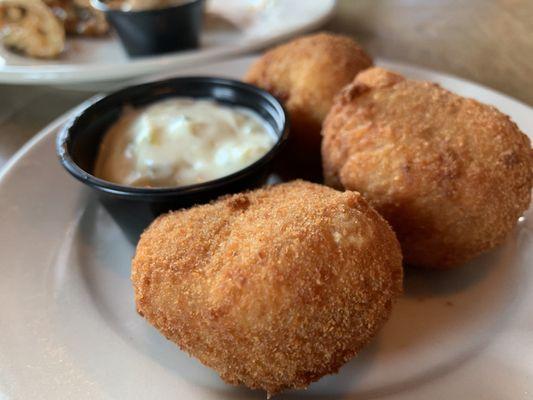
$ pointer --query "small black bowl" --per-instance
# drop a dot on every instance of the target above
(133, 208)
(156, 31)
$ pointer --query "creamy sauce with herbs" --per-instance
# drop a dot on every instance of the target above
(181, 141)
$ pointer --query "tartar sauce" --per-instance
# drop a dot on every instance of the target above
(181, 141)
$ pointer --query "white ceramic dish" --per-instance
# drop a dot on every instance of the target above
(257, 23)
(69, 329)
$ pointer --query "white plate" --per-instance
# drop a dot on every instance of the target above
(69, 329)
(260, 23)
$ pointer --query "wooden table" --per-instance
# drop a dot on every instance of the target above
(488, 41)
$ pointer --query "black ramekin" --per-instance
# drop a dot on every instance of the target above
(133, 208)
(156, 31)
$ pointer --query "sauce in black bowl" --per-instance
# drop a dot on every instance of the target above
(159, 30)
(134, 208)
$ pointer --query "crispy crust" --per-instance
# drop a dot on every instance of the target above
(450, 174)
(306, 74)
(273, 288)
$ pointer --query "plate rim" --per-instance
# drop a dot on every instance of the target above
(48, 131)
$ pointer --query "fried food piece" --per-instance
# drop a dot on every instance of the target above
(29, 27)
(306, 74)
(272, 288)
(79, 17)
(451, 175)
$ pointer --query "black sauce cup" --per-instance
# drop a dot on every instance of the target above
(156, 31)
(133, 208)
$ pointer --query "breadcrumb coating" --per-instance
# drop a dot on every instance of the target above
(450, 174)
(272, 288)
(306, 74)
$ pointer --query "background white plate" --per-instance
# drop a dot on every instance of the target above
(97, 60)
(69, 330)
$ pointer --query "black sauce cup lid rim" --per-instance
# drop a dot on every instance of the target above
(102, 6)
(79, 173)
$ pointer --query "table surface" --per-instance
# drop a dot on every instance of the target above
(486, 41)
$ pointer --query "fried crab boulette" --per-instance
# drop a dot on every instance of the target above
(272, 288)
(450, 174)
(306, 74)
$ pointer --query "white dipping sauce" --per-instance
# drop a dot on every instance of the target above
(181, 141)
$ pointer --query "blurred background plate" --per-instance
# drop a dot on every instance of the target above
(231, 27)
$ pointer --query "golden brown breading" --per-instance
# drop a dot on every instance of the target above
(450, 174)
(306, 74)
(273, 288)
